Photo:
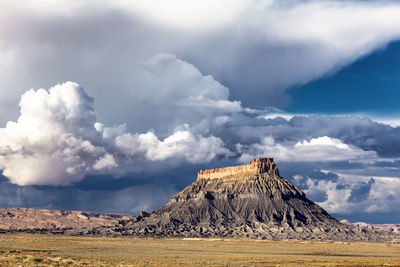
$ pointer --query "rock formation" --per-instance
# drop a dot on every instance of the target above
(242, 201)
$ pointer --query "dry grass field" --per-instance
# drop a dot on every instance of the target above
(45, 250)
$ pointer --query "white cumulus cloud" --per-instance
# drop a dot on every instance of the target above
(318, 149)
(57, 141)
(179, 145)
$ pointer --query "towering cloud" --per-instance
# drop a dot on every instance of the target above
(57, 141)
(53, 138)
(168, 92)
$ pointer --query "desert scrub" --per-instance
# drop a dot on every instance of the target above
(22, 257)
(36, 259)
(67, 261)
(2, 251)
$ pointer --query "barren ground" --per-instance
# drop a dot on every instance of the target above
(46, 250)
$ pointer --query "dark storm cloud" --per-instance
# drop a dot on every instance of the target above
(126, 200)
(389, 164)
(317, 195)
(361, 191)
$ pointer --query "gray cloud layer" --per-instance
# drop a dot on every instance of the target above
(256, 48)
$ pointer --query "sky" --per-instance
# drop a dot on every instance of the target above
(115, 105)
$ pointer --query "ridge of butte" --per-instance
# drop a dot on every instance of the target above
(250, 201)
(256, 166)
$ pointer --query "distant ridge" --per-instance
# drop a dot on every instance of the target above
(388, 227)
(29, 220)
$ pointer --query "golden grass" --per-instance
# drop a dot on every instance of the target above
(43, 250)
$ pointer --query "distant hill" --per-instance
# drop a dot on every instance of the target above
(389, 227)
(55, 221)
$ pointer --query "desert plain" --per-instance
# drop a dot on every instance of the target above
(51, 250)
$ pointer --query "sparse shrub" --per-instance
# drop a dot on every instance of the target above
(2, 251)
(23, 257)
(48, 260)
(14, 251)
(36, 259)
(67, 261)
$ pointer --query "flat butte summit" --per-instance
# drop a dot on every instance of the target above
(251, 201)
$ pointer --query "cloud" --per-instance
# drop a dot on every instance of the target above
(51, 137)
(181, 144)
(317, 149)
(293, 42)
(168, 92)
(106, 162)
(323, 36)
(362, 191)
(57, 141)
(223, 105)
(187, 15)
(356, 197)
(357, 131)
